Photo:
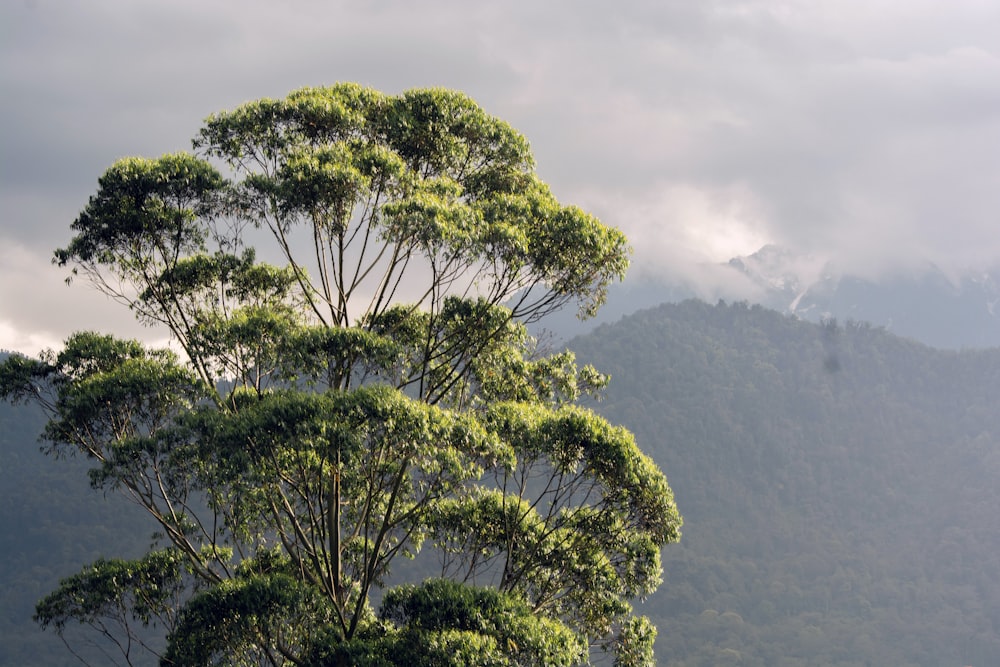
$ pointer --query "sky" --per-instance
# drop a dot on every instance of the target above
(862, 132)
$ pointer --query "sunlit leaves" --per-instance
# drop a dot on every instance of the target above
(318, 354)
(218, 279)
(243, 345)
(576, 255)
(634, 644)
(575, 440)
(145, 207)
(143, 589)
(444, 619)
(480, 355)
(577, 522)
(370, 392)
(88, 353)
(362, 422)
(574, 522)
(248, 621)
(434, 217)
(426, 171)
(393, 457)
(262, 130)
(112, 595)
(109, 390)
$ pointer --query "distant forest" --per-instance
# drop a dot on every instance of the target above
(839, 486)
(51, 525)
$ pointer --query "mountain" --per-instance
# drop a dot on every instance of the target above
(51, 525)
(839, 486)
(922, 303)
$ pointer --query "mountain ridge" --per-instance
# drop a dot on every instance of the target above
(838, 485)
(923, 302)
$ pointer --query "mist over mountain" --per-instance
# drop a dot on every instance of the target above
(922, 302)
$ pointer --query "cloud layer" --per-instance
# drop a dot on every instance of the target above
(862, 132)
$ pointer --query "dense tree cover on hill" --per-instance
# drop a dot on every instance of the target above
(51, 521)
(839, 487)
(365, 394)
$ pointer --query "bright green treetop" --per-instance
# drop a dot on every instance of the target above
(370, 392)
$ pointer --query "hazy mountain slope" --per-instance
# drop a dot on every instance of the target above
(921, 303)
(839, 487)
(51, 525)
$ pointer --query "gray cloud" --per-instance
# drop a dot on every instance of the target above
(863, 132)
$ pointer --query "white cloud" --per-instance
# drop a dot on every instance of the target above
(39, 311)
(862, 130)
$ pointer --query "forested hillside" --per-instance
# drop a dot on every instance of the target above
(51, 525)
(839, 487)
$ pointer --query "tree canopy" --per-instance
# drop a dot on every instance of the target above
(364, 391)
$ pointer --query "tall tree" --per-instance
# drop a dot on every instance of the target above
(368, 394)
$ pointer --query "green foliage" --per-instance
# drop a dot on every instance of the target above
(444, 623)
(476, 625)
(116, 598)
(145, 207)
(341, 410)
(143, 589)
(251, 620)
(428, 174)
(634, 645)
(17, 378)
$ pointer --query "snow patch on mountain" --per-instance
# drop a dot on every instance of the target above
(923, 302)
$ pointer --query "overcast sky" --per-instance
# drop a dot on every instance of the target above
(865, 132)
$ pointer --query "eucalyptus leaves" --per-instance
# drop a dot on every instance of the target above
(369, 392)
